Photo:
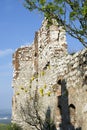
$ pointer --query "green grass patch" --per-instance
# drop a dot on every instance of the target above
(9, 127)
(5, 127)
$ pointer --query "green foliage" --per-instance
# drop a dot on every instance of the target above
(9, 127)
(45, 86)
(17, 93)
(32, 78)
(15, 127)
(22, 88)
(5, 127)
(70, 14)
(49, 93)
(42, 2)
(48, 66)
(26, 90)
(30, 86)
(41, 92)
(42, 73)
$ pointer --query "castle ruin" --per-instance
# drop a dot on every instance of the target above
(49, 80)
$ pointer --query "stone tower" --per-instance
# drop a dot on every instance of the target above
(44, 79)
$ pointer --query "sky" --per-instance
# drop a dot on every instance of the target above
(17, 28)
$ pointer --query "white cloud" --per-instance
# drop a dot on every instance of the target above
(5, 52)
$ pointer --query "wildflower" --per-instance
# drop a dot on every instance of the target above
(17, 93)
(22, 88)
(49, 93)
(41, 91)
(45, 86)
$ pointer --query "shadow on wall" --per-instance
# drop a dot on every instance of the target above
(67, 112)
(49, 123)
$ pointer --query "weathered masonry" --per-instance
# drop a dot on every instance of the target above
(47, 79)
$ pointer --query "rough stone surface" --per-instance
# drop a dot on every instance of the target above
(46, 66)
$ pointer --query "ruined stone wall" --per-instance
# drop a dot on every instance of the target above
(60, 80)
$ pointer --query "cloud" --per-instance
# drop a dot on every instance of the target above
(5, 52)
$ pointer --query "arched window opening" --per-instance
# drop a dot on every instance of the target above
(72, 106)
(59, 82)
(72, 109)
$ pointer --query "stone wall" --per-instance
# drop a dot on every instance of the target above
(60, 80)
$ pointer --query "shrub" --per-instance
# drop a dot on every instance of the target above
(15, 127)
(10, 127)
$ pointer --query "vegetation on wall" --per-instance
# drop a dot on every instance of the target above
(30, 112)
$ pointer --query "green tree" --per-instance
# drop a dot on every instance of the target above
(72, 14)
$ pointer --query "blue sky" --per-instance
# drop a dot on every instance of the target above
(17, 27)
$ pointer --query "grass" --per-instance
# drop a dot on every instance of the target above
(5, 127)
(9, 127)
